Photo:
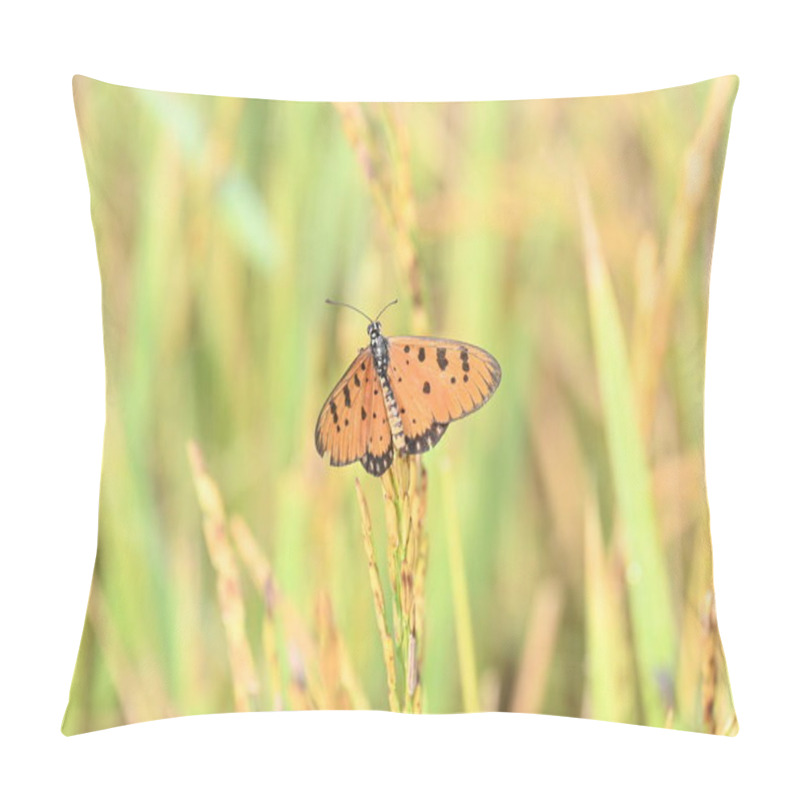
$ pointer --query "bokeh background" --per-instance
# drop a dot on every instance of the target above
(570, 238)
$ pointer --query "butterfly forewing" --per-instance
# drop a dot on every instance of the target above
(436, 381)
(352, 414)
(340, 430)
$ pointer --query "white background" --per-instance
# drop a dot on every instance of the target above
(52, 394)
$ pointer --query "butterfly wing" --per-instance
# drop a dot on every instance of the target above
(352, 425)
(436, 381)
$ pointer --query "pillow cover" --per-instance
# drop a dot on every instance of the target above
(279, 530)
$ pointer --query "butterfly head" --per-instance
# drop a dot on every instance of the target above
(374, 327)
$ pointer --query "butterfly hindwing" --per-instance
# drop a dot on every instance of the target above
(352, 425)
(436, 381)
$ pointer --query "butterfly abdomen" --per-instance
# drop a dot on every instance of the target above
(380, 354)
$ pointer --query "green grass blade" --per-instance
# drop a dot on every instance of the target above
(648, 586)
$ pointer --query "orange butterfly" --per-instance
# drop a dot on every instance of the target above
(399, 395)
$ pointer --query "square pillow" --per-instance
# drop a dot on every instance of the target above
(290, 517)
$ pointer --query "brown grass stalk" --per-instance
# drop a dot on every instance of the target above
(405, 495)
(337, 686)
(405, 503)
(710, 666)
(650, 349)
(386, 167)
(261, 576)
(377, 597)
(229, 592)
(539, 647)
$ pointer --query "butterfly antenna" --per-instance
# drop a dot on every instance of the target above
(384, 308)
(347, 305)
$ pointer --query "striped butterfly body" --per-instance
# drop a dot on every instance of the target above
(399, 396)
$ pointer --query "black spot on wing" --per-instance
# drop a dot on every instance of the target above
(377, 464)
(347, 395)
(426, 387)
(421, 354)
(441, 358)
(427, 439)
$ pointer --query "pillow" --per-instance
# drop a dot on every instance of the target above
(290, 517)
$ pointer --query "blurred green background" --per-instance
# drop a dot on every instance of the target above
(570, 238)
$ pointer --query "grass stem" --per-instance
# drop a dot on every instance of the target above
(377, 597)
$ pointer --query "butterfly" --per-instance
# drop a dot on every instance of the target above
(399, 395)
